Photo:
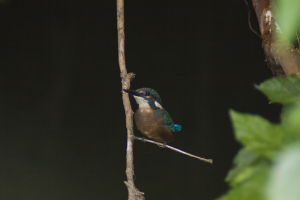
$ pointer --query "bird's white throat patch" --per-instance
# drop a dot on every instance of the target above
(144, 103)
(141, 101)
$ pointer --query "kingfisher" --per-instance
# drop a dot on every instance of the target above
(151, 118)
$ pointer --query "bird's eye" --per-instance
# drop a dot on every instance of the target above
(147, 94)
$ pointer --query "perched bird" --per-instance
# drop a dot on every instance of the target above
(151, 118)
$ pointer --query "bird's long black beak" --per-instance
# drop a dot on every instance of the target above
(133, 92)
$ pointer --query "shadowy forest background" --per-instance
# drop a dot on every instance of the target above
(62, 120)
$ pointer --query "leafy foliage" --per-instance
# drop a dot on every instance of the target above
(257, 173)
(281, 89)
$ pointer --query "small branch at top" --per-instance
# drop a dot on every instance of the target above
(163, 145)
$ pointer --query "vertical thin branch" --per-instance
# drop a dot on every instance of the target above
(133, 192)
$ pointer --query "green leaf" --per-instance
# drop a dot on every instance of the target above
(240, 172)
(285, 89)
(257, 133)
(284, 179)
(291, 117)
(288, 17)
(251, 189)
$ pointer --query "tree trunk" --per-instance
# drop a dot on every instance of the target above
(281, 55)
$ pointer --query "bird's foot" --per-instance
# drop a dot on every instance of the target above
(164, 145)
(143, 139)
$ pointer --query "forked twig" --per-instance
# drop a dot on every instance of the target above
(174, 149)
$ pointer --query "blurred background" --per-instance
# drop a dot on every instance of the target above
(62, 120)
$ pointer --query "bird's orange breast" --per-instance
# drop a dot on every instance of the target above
(152, 126)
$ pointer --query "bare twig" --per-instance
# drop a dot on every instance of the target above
(133, 192)
(249, 11)
(163, 145)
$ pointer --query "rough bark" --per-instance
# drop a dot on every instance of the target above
(281, 55)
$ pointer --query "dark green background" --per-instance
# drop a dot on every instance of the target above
(62, 120)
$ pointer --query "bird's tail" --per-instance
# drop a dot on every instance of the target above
(177, 127)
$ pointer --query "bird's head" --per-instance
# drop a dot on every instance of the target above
(146, 97)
